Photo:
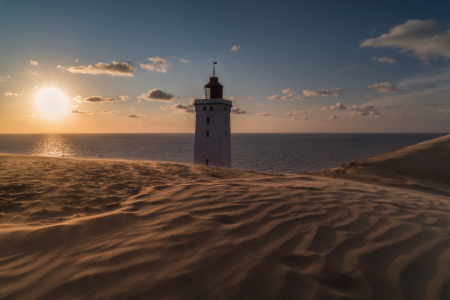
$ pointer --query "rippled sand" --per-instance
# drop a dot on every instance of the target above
(98, 229)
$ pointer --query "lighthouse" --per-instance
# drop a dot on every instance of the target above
(212, 126)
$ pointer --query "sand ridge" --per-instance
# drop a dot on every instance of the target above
(93, 229)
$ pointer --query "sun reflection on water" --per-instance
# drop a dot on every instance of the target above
(53, 145)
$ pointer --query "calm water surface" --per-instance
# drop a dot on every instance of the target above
(279, 153)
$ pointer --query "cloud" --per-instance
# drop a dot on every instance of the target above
(290, 96)
(441, 79)
(80, 112)
(391, 106)
(187, 109)
(76, 60)
(136, 116)
(338, 106)
(235, 48)
(111, 112)
(114, 69)
(181, 60)
(238, 111)
(264, 114)
(429, 104)
(445, 111)
(334, 117)
(384, 87)
(124, 98)
(33, 62)
(249, 98)
(94, 99)
(369, 110)
(157, 95)
(423, 38)
(387, 60)
(296, 115)
(60, 67)
(323, 93)
(4, 78)
(12, 94)
(235, 98)
(274, 97)
(158, 64)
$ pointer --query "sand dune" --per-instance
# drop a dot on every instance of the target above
(425, 167)
(98, 229)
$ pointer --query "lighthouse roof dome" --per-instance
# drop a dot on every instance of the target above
(213, 81)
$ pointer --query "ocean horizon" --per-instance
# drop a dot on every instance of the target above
(265, 152)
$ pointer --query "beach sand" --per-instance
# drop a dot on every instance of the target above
(101, 229)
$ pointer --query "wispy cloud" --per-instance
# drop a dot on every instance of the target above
(157, 95)
(235, 98)
(238, 111)
(80, 112)
(12, 94)
(368, 110)
(124, 98)
(323, 93)
(235, 48)
(445, 111)
(392, 106)
(337, 106)
(264, 114)
(33, 62)
(384, 59)
(181, 59)
(158, 64)
(423, 38)
(114, 69)
(136, 116)
(429, 104)
(111, 112)
(384, 87)
(290, 96)
(180, 108)
(94, 99)
(4, 78)
(296, 114)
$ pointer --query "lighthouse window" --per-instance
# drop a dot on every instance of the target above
(207, 162)
(207, 120)
(204, 108)
(210, 108)
(207, 133)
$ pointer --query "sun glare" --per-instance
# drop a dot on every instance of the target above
(51, 101)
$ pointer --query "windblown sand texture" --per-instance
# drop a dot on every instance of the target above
(98, 229)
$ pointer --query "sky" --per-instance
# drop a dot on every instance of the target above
(104, 66)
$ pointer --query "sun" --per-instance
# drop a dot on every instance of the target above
(51, 101)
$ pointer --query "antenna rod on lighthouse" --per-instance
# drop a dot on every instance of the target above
(214, 66)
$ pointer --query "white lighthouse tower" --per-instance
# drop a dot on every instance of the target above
(212, 126)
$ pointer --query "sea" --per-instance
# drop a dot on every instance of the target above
(276, 153)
